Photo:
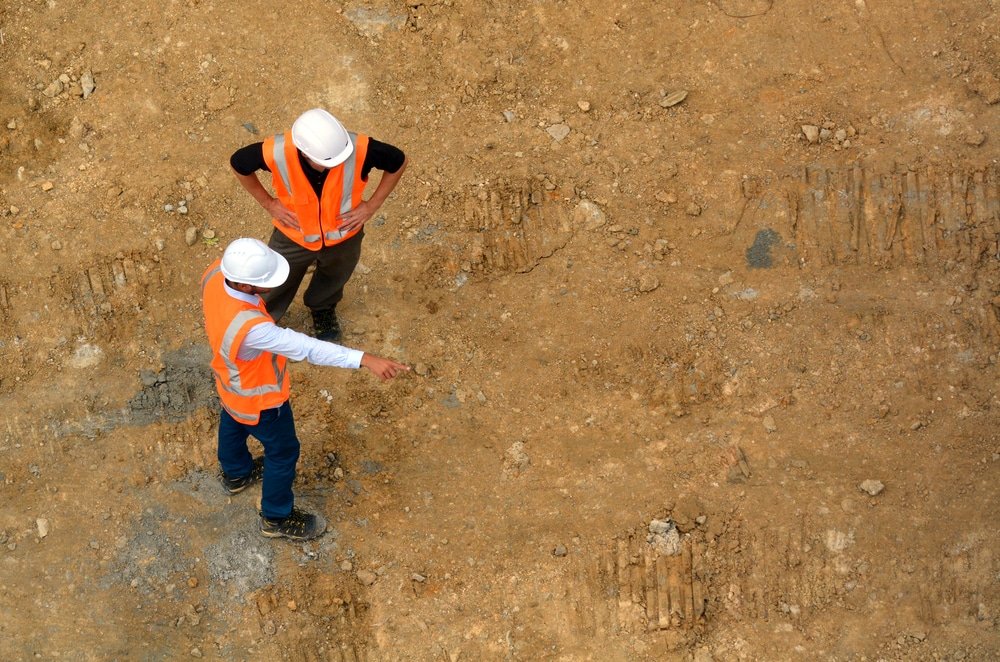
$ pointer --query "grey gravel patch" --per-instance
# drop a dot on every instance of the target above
(183, 385)
(371, 467)
(373, 22)
(759, 253)
(204, 487)
(151, 558)
(242, 560)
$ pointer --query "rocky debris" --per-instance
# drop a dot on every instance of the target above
(664, 537)
(583, 105)
(42, 525)
(648, 282)
(87, 84)
(828, 132)
(560, 550)
(366, 577)
(346, 566)
(872, 487)
(975, 138)
(769, 424)
(589, 215)
(693, 209)
(666, 197)
(558, 131)
(54, 89)
(509, 116)
(191, 235)
(671, 99)
(516, 461)
(47, 186)
(417, 577)
(837, 541)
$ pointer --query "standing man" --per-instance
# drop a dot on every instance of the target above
(318, 172)
(249, 356)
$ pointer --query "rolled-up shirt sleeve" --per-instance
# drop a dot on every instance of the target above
(269, 337)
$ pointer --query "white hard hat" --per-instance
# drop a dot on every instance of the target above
(322, 138)
(251, 262)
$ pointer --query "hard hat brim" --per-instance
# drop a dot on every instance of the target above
(335, 161)
(280, 274)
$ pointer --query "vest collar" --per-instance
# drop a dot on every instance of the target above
(252, 299)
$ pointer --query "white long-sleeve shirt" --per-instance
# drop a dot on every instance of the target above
(269, 337)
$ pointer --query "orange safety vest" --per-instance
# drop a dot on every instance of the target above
(319, 217)
(245, 387)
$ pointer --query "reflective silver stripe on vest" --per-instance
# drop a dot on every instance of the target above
(208, 277)
(335, 234)
(349, 167)
(234, 386)
(281, 162)
(250, 419)
(310, 238)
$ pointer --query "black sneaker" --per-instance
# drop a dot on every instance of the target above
(300, 525)
(237, 485)
(326, 326)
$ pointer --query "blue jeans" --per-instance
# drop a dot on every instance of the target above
(276, 432)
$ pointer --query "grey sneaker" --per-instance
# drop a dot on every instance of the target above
(300, 525)
(237, 485)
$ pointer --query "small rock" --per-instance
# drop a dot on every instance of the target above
(57, 245)
(558, 131)
(648, 282)
(693, 209)
(825, 134)
(338, 473)
(195, 652)
(726, 279)
(872, 487)
(87, 84)
(811, 132)
(700, 519)
(269, 628)
(509, 116)
(975, 138)
(54, 89)
(251, 128)
(417, 577)
(191, 235)
(584, 106)
(421, 369)
(182, 210)
(47, 186)
(346, 566)
(840, 135)
(366, 577)
(42, 525)
(560, 550)
(589, 215)
(12, 124)
(168, 208)
(208, 234)
(192, 582)
(673, 98)
(769, 424)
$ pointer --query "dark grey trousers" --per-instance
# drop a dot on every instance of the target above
(334, 267)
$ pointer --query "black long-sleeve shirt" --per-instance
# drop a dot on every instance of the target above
(381, 156)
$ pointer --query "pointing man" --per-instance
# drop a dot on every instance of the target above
(318, 171)
(249, 355)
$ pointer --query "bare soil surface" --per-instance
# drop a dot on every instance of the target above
(702, 377)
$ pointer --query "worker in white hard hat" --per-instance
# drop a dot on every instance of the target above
(319, 171)
(249, 357)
